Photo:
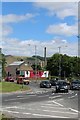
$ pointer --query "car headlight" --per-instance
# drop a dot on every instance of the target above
(65, 87)
(57, 86)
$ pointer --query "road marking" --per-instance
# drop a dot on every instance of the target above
(12, 111)
(11, 107)
(15, 99)
(26, 113)
(73, 96)
(53, 107)
(55, 96)
(49, 116)
(73, 110)
(43, 96)
(60, 112)
(57, 103)
(49, 104)
(60, 99)
(19, 96)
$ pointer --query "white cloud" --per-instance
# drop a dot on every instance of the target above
(61, 9)
(11, 18)
(6, 30)
(22, 48)
(63, 29)
(67, 12)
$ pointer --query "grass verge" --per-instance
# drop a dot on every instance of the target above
(12, 87)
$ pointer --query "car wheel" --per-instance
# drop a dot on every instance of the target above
(66, 91)
(56, 91)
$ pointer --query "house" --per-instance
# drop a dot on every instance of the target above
(12, 68)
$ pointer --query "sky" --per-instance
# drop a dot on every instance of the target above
(30, 25)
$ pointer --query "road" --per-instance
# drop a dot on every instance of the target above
(42, 103)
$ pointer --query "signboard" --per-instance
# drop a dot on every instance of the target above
(39, 74)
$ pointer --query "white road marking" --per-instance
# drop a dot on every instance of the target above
(14, 99)
(26, 113)
(55, 96)
(11, 107)
(19, 96)
(43, 96)
(60, 112)
(60, 99)
(73, 110)
(49, 104)
(12, 111)
(53, 107)
(49, 116)
(73, 96)
(57, 103)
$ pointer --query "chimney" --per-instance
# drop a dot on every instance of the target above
(45, 61)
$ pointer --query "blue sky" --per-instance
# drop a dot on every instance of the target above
(41, 24)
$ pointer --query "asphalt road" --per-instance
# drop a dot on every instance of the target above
(41, 103)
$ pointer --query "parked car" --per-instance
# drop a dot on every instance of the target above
(75, 85)
(22, 80)
(9, 79)
(45, 84)
(53, 82)
(61, 86)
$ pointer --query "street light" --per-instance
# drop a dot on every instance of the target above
(35, 60)
(60, 60)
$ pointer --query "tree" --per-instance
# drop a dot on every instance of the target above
(69, 66)
(3, 62)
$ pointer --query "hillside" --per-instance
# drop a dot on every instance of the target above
(10, 58)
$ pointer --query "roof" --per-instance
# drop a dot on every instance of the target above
(16, 63)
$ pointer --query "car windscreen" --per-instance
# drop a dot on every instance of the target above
(76, 82)
(61, 83)
(46, 82)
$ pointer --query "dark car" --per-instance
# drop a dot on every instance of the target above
(9, 79)
(45, 84)
(61, 86)
(53, 82)
(75, 85)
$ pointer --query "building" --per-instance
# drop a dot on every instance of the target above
(17, 66)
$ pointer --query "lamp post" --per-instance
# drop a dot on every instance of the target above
(60, 60)
(35, 69)
(35, 63)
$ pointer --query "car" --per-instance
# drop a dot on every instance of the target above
(75, 85)
(53, 82)
(61, 86)
(22, 80)
(45, 84)
(9, 79)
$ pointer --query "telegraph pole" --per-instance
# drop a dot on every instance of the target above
(45, 61)
(59, 63)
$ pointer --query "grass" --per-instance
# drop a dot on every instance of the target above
(6, 117)
(12, 87)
